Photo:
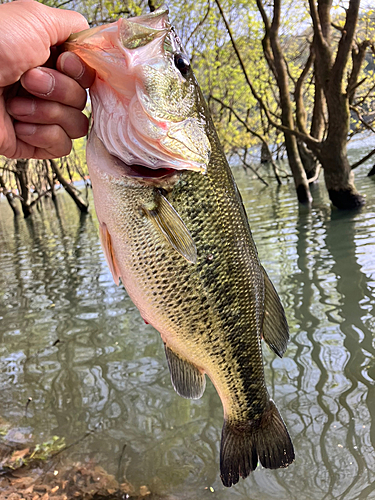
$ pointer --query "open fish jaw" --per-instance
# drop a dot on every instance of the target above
(140, 95)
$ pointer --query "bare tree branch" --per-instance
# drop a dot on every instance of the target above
(358, 56)
(363, 160)
(253, 132)
(360, 118)
(199, 24)
(345, 42)
(40, 196)
(318, 31)
(300, 107)
(254, 172)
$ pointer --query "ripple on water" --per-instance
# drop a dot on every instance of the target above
(73, 341)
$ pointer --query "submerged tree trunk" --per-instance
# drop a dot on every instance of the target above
(22, 178)
(265, 156)
(330, 71)
(298, 171)
(296, 166)
(9, 197)
(50, 180)
(338, 175)
(276, 61)
(309, 161)
(78, 200)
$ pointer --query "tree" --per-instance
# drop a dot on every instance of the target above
(305, 85)
(29, 181)
(329, 63)
(330, 73)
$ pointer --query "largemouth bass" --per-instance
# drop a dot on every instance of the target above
(174, 230)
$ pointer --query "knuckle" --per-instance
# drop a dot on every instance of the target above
(53, 134)
(81, 128)
(53, 112)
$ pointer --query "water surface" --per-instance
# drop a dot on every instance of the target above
(74, 343)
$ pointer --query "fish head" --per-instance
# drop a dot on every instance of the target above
(146, 110)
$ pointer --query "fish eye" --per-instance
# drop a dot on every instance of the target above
(182, 63)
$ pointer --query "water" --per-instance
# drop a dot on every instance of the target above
(73, 342)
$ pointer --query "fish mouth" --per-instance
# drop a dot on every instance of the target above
(140, 171)
(132, 57)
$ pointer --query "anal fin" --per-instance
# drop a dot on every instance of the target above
(275, 327)
(106, 241)
(187, 380)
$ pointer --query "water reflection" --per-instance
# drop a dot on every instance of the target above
(73, 341)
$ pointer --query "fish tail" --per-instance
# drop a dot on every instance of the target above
(243, 443)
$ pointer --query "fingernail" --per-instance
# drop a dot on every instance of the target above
(21, 106)
(71, 65)
(24, 128)
(39, 81)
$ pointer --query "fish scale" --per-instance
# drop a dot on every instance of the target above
(231, 323)
(181, 244)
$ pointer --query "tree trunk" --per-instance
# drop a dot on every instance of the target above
(69, 189)
(276, 61)
(265, 156)
(317, 121)
(50, 180)
(339, 177)
(296, 166)
(9, 197)
(21, 173)
(338, 174)
(309, 161)
(299, 174)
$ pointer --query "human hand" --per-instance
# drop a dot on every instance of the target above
(40, 107)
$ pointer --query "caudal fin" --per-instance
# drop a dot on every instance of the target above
(244, 443)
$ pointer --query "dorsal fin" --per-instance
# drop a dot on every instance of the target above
(275, 326)
(169, 223)
(106, 241)
(187, 380)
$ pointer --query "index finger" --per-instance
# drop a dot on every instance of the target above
(51, 85)
(73, 66)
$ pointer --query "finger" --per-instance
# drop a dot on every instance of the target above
(64, 22)
(55, 51)
(30, 29)
(40, 111)
(24, 150)
(54, 86)
(50, 138)
(73, 66)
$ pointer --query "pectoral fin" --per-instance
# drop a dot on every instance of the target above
(275, 326)
(188, 381)
(105, 240)
(169, 223)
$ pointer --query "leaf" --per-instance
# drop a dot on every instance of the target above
(19, 454)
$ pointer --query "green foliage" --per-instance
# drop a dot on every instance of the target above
(29, 456)
(216, 66)
(203, 33)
